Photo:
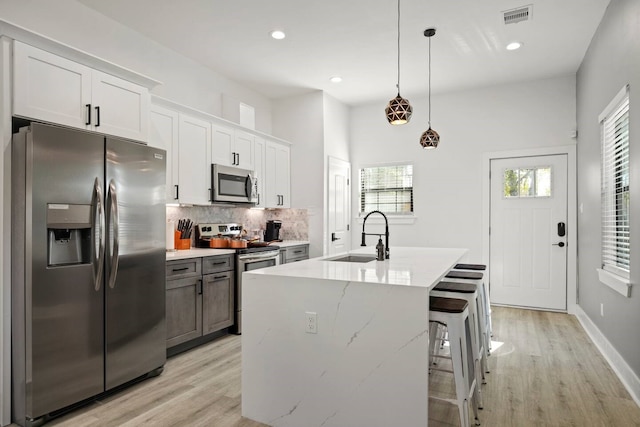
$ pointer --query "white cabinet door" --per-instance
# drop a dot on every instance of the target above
(259, 170)
(120, 107)
(243, 149)
(50, 88)
(194, 161)
(222, 145)
(164, 133)
(283, 172)
(277, 175)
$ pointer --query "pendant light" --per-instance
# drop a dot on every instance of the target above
(398, 110)
(430, 137)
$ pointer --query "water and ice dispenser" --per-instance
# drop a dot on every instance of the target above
(68, 234)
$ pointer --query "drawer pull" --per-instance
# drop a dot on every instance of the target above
(220, 277)
(180, 269)
(297, 252)
(220, 263)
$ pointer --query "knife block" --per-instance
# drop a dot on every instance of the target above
(181, 244)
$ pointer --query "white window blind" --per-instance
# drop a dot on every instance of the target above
(615, 185)
(387, 188)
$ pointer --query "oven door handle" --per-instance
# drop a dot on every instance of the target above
(258, 257)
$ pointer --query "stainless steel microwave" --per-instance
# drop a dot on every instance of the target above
(233, 185)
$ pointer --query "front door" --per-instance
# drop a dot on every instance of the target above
(528, 234)
(339, 210)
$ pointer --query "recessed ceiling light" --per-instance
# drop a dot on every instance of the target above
(335, 79)
(278, 34)
(514, 45)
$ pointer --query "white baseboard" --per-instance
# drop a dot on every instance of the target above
(624, 372)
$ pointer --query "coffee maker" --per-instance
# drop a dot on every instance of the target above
(272, 231)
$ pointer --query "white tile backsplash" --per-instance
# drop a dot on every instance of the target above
(295, 222)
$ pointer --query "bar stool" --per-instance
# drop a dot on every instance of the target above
(477, 278)
(454, 313)
(480, 268)
(469, 292)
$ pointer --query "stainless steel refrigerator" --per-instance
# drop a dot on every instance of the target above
(88, 273)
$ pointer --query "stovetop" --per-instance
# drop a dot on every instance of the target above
(204, 232)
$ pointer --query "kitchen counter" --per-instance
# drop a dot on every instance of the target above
(367, 362)
(421, 267)
(197, 253)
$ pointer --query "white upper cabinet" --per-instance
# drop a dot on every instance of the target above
(164, 134)
(194, 164)
(222, 145)
(232, 147)
(244, 149)
(259, 170)
(277, 174)
(50, 88)
(120, 107)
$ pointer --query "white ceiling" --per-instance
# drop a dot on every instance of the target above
(357, 40)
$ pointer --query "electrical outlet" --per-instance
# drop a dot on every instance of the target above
(602, 309)
(311, 322)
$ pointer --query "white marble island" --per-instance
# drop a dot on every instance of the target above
(367, 363)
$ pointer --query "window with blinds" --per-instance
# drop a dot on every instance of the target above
(388, 189)
(614, 124)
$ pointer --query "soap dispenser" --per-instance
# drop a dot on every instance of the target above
(380, 249)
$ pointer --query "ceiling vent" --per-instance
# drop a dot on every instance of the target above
(519, 14)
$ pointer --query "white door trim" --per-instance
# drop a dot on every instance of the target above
(327, 233)
(572, 216)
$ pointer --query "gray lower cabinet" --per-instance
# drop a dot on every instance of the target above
(200, 297)
(184, 301)
(294, 253)
(217, 302)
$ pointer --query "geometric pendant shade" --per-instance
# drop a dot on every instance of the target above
(430, 137)
(398, 110)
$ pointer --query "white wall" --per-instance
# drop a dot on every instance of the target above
(184, 80)
(612, 61)
(448, 180)
(299, 119)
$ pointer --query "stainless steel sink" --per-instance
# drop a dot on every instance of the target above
(354, 258)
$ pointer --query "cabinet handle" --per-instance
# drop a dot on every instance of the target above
(210, 195)
(88, 122)
(220, 263)
(238, 163)
(258, 198)
(97, 116)
(177, 192)
(297, 252)
(180, 269)
(220, 277)
(199, 286)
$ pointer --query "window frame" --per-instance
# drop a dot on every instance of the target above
(390, 215)
(614, 168)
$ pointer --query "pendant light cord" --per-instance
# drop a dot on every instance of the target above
(398, 84)
(429, 82)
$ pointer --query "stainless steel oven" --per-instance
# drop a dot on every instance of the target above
(247, 260)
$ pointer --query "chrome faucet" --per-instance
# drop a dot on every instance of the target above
(386, 232)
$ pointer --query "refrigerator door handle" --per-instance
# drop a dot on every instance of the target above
(98, 224)
(114, 235)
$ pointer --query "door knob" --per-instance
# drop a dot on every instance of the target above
(333, 237)
(561, 244)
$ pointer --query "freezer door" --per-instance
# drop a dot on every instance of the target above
(58, 324)
(135, 261)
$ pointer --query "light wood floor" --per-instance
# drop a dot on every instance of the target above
(545, 372)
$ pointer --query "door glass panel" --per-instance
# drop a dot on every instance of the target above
(527, 182)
